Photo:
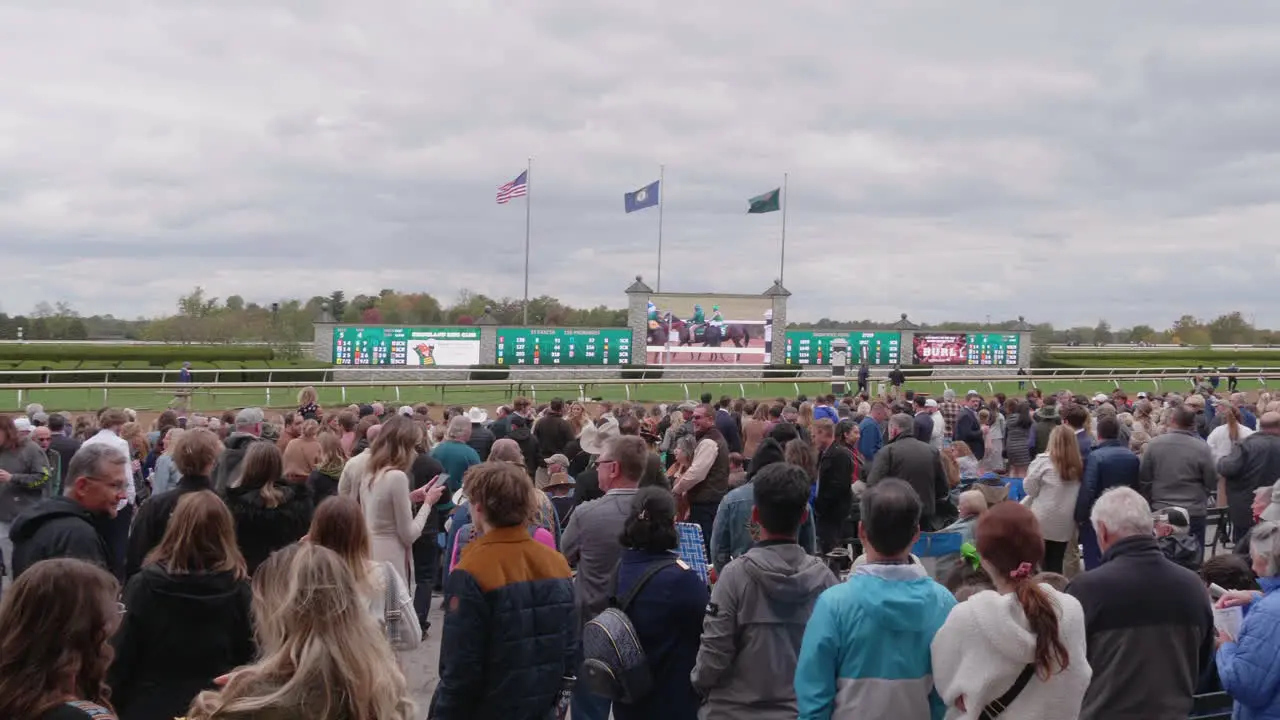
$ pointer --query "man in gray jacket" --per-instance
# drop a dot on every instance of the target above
(593, 546)
(1178, 471)
(759, 608)
(918, 463)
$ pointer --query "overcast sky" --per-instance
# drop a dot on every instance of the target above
(1060, 160)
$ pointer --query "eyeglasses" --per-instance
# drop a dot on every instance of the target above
(602, 463)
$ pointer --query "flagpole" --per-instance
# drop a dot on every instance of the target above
(661, 192)
(528, 201)
(782, 262)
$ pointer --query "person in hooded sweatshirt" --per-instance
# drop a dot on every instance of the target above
(194, 455)
(269, 513)
(75, 525)
(1022, 630)
(187, 615)
(759, 608)
(666, 611)
(732, 533)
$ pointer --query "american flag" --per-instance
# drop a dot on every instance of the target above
(514, 189)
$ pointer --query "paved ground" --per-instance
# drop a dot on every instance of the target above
(420, 665)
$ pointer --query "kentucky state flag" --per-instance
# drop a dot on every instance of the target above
(768, 202)
(645, 197)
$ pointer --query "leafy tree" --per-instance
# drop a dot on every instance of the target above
(1142, 333)
(338, 303)
(1102, 332)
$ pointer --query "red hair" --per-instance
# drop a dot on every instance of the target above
(1008, 538)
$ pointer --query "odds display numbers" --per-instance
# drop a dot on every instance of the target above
(993, 349)
(408, 346)
(813, 347)
(563, 346)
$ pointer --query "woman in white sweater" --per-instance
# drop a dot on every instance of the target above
(1052, 483)
(383, 494)
(1022, 644)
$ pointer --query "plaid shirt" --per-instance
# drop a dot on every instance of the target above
(692, 549)
(949, 410)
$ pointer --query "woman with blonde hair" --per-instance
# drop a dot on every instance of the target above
(339, 525)
(804, 418)
(56, 624)
(303, 453)
(577, 418)
(321, 655)
(269, 513)
(188, 618)
(307, 407)
(1052, 483)
(139, 448)
(193, 454)
(383, 494)
(166, 474)
(323, 480)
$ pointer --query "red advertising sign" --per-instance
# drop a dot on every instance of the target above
(941, 349)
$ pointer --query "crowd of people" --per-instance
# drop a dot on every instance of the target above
(743, 558)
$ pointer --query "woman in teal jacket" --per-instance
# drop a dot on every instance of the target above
(1249, 665)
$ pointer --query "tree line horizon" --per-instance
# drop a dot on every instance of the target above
(203, 318)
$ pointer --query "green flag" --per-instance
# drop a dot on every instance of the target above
(768, 202)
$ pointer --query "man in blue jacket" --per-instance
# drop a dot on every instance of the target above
(866, 649)
(1109, 465)
(870, 439)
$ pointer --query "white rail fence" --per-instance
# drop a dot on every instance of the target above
(262, 390)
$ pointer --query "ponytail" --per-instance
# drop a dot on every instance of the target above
(1042, 617)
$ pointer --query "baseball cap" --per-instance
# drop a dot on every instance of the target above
(366, 410)
(973, 393)
(406, 410)
(931, 403)
(1143, 395)
(22, 425)
(250, 416)
(1100, 398)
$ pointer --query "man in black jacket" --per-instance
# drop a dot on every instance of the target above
(66, 447)
(552, 431)
(835, 484)
(923, 420)
(968, 428)
(72, 525)
(1148, 622)
(1252, 464)
(482, 438)
(249, 423)
(918, 463)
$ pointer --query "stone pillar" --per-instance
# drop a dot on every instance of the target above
(907, 347)
(488, 325)
(839, 357)
(1024, 349)
(638, 295)
(778, 294)
(322, 339)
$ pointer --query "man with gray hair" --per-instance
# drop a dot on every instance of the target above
(71, 526)
(1148, 622)
(949, 409)
(454, 454)
(249, 423)
(918, 463)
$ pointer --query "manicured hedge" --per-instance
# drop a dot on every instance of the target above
(102, 371)
(154, 354)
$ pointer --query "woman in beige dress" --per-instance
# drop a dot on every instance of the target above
(384, 496)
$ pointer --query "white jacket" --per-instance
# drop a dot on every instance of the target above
(1220, 440)
(1051, 499)
(985, 643)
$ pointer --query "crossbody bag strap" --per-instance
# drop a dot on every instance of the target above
(653, 569)
(1000, 704)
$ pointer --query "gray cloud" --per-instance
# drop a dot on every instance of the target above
(1062, 162)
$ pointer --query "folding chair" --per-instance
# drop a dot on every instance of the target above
(931, 547)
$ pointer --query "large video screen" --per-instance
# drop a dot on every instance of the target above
(738, 333)
(965, 349)
(564, 346)
(406, 346)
